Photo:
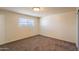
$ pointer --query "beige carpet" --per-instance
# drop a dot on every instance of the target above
(39, 43)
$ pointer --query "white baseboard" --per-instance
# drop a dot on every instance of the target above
(5, 42)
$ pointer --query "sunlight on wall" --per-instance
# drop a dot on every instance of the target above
(26, 23)
(44, 23)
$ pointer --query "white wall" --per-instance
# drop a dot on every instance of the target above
(61, 26)
(2, 29)
(14, 31)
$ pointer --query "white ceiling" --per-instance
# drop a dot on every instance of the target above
(44, 11)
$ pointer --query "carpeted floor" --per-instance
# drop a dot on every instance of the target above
(39, 43)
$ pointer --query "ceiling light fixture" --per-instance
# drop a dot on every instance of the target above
(36, 8)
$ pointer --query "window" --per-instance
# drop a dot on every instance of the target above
(26, 22)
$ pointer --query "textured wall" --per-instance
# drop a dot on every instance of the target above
(14, 31)
(61, 26)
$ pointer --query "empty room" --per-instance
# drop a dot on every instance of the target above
(38, 29)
